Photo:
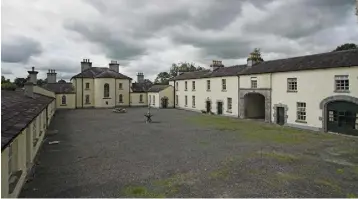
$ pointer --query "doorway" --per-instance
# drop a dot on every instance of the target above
(342, 117)
(254, 106)
(164, 102)
(280, 115)
(208, 106)
(219, 107)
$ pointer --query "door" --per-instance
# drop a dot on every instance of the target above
(208, 106)
(164, 102)
(342, 117)
(219, 108)
(280, 115)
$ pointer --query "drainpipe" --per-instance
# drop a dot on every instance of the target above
(174, 94)
(129, 92)
(115, 93)
(238, 96)
(270, 98)
(47, 117)
(82, 92)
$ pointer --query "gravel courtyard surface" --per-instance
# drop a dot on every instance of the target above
(187, 154)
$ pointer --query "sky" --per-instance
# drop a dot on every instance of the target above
(148, 36)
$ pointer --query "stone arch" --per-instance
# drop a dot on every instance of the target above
(254, 104)
(264, 92)
(327, 100)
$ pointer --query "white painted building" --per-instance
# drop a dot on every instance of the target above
(316, 92)
(161, 96)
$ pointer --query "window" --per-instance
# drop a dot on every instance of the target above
(153, 100)
(208, 85)
(193, 85)
(40, 124)
(301, 111)
(120, 98)
(291, 84)
(10, 167)
(176, 99)
(34, 132)
(223, 84)
(87, 86)
(106, 90)
(193, 101)
(176, 86)
(253, 82)
(186, 100)
(87, 99)
(229, 104)
(120, 86)
(186, 85)
(63, 101)
(332, 116)
(140, 98)
(341, 83)
(149, 99)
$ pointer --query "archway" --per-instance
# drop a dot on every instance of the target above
(165, 102)
(254, 106)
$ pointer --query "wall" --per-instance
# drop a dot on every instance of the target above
(263, 81)
(125, 91)
(70, 101)
(168, 92)
(214, 95)
(150, 99)
(42, 91)
(312, 87)
(135, 99)
(24, 151)
(90, 91)
(100, 100)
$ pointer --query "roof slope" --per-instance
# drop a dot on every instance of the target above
(158, 88)
(100, 72)
(17, 111)
(141, 87)
(60, 88)
(337, 59)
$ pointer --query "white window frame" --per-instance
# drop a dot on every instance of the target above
(186, 100)
(120, 86)
(176, 86)
(176, 100)
(120, 98)
(141, 98)
(341, 83)
(193, 101)
(87, 102)
(87, 86)
(223, 84)
(291, 84)
(186, 85)
(193, 85)
(253, 82)
(301, 115)
(208, 86)
(10, 160)
(229, 104)
(153, 99)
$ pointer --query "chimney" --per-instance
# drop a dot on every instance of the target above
(33, 75)
(85, 64)
(140, 78)
(51, 76)
(114, 65)
(216, 64)
(29, 89)
(253, 59)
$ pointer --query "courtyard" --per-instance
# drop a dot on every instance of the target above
(187, 154)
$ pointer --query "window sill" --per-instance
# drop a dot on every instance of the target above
(186, 106)
(107, 98)
(63, 104)
(87, 89)
(120, 89)
(141, 102)
(13, 180)
(193, 107)
(293, 91)
(120, 102)
(253, 87)
(300, 121)
(223, 90)
(193, 90)
(186, 90)
(229, 111)
(342, 91)
(87, 103)
(208, 90)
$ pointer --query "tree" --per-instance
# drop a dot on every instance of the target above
(163, 77)
(41, 82)
(3, 80)
(347, 46)
(8, 86)
(20, 82)
(255, 56)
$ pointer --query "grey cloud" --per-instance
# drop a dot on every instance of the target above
(19, 50)
(6, 71)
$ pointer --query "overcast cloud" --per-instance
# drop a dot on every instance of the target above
(148, 36)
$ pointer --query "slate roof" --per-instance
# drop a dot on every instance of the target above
(100, 72)
(141, 87)
(157, 88)
(17, 111)
(60, 88)
(337, 59)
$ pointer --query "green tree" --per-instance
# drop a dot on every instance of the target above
(8, 86)
(20, 82)
(256, 56)
(163, 77)
(347, 46)
(4, 80)
(41, 82)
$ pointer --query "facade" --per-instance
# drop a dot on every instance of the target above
(316, 92)
(26, 115)
(161, 96)
(138, 95)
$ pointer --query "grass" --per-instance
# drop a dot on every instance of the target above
(340, 171)
(288, 176)
(282, 157)
(352, 195)
(328, 183)
(171, 185)
(255, 131)
(140, 192)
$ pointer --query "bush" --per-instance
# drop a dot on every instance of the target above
(8, 86)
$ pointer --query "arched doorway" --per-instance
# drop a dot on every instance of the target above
(342, 117)
(208, 105)
(254, 106)
(165, 102)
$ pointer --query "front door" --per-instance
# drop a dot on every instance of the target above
(219, 108)
(208, 106)
(164, 102)
(342, 117)
(280, 115)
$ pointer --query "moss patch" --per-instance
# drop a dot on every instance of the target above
(140, 192)
(171, 185)
(352, 195)
(288, 176)
(329, 184)
(282, 157)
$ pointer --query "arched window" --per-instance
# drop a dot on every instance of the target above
(120, 98)
(106, 90)
(140, 98)
(63, 101)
